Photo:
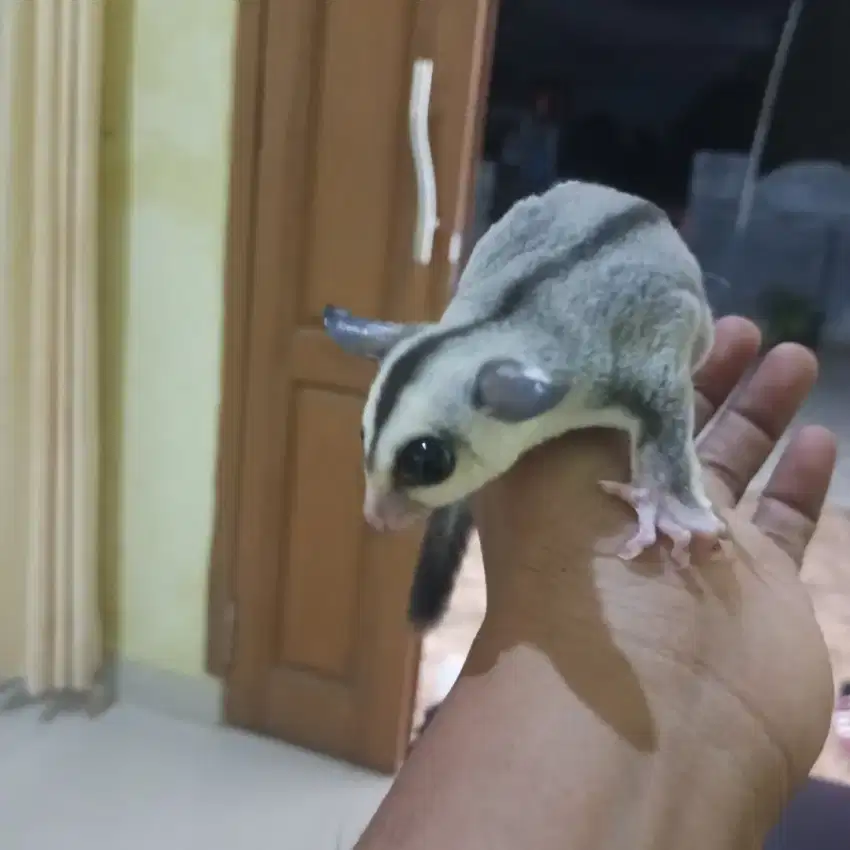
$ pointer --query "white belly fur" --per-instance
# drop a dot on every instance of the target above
(573, 417)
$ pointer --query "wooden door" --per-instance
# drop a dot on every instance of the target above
(322, 655)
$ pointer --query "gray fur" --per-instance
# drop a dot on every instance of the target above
(595, 301)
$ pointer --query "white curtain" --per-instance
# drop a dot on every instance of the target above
(50, 76)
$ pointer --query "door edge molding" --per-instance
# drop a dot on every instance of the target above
(245, 135)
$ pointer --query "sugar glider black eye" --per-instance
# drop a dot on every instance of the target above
(425, 461)
(362, 435)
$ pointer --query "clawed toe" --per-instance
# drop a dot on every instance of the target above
(681, 538)
(658, 512)
(636, 545)
(628, 493)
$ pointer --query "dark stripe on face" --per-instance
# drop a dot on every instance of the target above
(402, 372)
(607, 233)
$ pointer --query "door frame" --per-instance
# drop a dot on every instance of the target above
(246, 132)
(245, 135)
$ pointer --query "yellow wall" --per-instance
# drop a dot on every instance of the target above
(164, 166)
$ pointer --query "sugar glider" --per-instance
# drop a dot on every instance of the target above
(581, 307)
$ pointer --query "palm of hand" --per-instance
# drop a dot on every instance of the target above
(769, 656)
(720, 668)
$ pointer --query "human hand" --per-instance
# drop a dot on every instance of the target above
(697, 700)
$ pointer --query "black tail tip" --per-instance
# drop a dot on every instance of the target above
(424, 614)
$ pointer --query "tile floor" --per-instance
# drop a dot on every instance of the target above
(133, 780)
(143, 780)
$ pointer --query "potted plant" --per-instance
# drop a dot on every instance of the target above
(790, 316)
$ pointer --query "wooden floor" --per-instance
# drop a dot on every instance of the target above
(826, 571)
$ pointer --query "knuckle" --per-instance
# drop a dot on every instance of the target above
(789, 529)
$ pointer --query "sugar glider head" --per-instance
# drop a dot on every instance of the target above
(446, 413)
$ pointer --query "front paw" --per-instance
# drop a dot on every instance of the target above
(660, 512)
(697, 519)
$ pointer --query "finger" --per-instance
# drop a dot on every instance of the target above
(790, 506)
(737, 444)
(736, 346)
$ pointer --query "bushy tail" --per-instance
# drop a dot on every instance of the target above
(440, 557)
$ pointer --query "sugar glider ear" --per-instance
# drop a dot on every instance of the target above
(363, 337)
(511, 391)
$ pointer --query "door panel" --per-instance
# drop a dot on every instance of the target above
(318, 596)
(323, 656)
(361, 102)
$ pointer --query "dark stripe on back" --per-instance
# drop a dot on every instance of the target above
(608, 232)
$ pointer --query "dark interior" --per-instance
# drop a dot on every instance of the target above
(640, 85)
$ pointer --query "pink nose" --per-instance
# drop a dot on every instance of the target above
(389, 511)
